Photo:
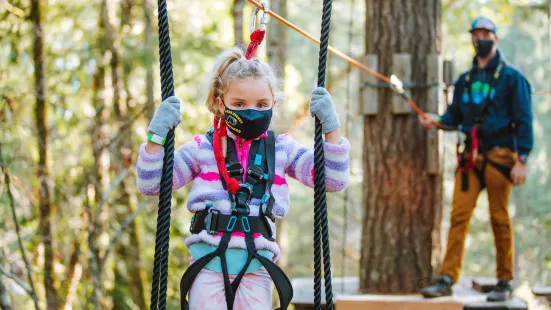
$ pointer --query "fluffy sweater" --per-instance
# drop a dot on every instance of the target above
(194, 161)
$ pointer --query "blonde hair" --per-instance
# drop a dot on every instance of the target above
(232, 65)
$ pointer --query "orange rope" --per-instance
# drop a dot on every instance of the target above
(340, 54)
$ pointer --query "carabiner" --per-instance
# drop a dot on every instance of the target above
(396, 84)
(263, 19)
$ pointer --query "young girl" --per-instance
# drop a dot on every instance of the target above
(235, 202)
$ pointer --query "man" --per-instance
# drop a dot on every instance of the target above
(492, 105)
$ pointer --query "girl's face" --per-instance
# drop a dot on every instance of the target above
(249, 93)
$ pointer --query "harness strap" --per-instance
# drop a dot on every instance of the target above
(466, 165)
(504, 170)
(193, 270)
(281, 282)
(270, 154)
(214, 222)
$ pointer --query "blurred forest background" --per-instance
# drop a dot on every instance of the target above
(74, 231)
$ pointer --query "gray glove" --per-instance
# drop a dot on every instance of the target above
(166, 117)
(321, 105)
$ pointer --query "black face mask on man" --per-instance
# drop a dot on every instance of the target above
(483, 47)
(248, 124)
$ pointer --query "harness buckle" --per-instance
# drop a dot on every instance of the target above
(242, 199)
(256, 172)
(211, 221)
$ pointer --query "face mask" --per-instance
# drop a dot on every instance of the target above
(248, 124)
(483, 47)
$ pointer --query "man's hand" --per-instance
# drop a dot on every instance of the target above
(518, 173)
(431, 120)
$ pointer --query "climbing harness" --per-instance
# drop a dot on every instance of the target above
(255, 182)
(467, 148)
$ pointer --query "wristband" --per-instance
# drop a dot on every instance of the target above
(523, 158)
(156, 139)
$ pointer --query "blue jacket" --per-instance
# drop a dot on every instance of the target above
(511, 101)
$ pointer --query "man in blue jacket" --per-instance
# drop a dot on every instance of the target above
(492, 106)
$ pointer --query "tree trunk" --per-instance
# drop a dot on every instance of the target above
(4, 296)
(237, 13)
(277, 57)
(149, 59)
(129, 272)
(549, 55)
(403, 204)
(98, 172)
(276, 51)
(41, 112)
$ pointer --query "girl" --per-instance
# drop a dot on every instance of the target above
(239, 184)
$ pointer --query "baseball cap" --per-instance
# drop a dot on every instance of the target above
(482, 22)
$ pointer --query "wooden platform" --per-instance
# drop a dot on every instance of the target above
(542, 291)
(347, 297)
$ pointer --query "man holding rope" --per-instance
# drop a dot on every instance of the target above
(492, 106)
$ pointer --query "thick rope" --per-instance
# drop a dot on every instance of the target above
(160, 265)
(321, 230)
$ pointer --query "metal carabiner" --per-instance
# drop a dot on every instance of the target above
(263, 19)
(396, 84)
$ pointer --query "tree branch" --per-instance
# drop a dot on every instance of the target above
(127, 221)
(4, 297)
(32, 291)
(74, 275)
(125, 126)
(20, 283)
(107, 193)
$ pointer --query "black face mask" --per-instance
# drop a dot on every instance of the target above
(483, 47)
(248, 124)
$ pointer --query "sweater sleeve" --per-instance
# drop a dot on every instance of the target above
(521, 97)
(300, 163)
(150, 167)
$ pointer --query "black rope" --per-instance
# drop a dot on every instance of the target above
(160, 265)
(321, 229)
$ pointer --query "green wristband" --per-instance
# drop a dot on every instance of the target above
(156, 139)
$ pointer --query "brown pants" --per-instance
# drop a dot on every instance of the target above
(499, 189)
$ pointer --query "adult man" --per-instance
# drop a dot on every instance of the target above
(492, 105)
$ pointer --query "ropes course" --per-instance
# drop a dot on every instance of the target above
(321, 231)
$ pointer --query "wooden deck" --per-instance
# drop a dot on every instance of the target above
(347, 297)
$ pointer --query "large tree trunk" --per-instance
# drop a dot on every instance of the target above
(277, 57)
(43, 173)
(237, 13)
(403, 204)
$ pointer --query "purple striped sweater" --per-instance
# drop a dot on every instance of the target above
(194, 161)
